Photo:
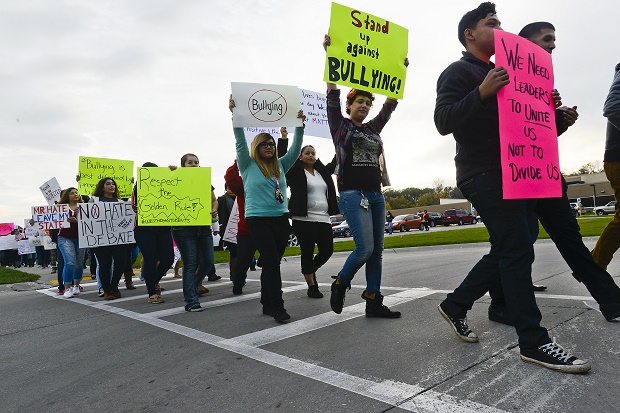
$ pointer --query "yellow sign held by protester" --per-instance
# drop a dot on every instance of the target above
(366, 52)
(92, 170)
(176, 198)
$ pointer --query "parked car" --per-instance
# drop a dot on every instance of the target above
(608, 208)
(336, 220)
(458, 216)
(406, 222)
(292, 238)
(575, 207)
(341, 230)
(435, 218)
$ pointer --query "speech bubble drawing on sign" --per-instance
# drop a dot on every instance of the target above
(265, 105)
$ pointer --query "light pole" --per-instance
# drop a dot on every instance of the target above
(594, 189)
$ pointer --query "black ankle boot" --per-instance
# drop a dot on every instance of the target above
(336, 301)
(313, 292)
(375, 307)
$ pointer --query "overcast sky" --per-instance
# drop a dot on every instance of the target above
(149, 80)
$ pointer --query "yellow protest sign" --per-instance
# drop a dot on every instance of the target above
(366, 52)
(177, 198)
(92, 170)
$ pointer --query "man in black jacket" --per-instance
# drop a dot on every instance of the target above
(466, 106)
(556, 217)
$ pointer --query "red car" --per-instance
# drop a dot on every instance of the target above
(458, 216)
(406, 222)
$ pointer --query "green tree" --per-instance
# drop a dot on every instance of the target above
(400, 202)
(593, 167)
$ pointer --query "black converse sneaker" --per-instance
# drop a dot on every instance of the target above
(553, 356)
(459, 325)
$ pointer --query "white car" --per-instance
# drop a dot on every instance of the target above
(608, 208)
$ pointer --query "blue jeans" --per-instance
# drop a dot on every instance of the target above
(196, 247)
(157, 251)
(511, 226)
(73, 257)
(367, 227)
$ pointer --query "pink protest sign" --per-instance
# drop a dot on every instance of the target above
(528, 135)
(6, 228)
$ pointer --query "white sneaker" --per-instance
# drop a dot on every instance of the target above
(68, 293)
(76, 289)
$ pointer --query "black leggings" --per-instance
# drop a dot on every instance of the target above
(310, 234)
(269, 235)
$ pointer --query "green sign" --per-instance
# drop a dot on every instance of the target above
(92, 170)
(366, 52)
(174, 198)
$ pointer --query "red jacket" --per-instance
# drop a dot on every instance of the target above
(235, 184)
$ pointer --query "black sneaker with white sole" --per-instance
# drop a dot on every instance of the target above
(553, 356)
(459, 325)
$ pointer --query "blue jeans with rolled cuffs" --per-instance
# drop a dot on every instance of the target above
(367, 227)
(73, 258)
(196, 247)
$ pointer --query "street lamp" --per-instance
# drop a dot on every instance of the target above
(594, 190)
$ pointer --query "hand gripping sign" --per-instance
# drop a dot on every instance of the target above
(265, 105)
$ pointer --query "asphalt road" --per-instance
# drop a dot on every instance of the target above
(84, 354)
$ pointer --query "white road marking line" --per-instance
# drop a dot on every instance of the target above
(288, 330)
(220, 302)
(402, 395)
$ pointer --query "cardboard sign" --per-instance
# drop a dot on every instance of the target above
(230, 235)
(6, 228)
(105, 223)
(24, 247)
(51, 216)
(48, 244)
(174, 198)
(30, 230)
(92, 170)
(51, 191)
(528, 135)
(314, 105)
(265, 105)
(366, 52)
(8, 242)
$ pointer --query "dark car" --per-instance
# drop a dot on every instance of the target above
(341, 230)
(406, 222)
(458, 216)
(434, 218)
(336, 220)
